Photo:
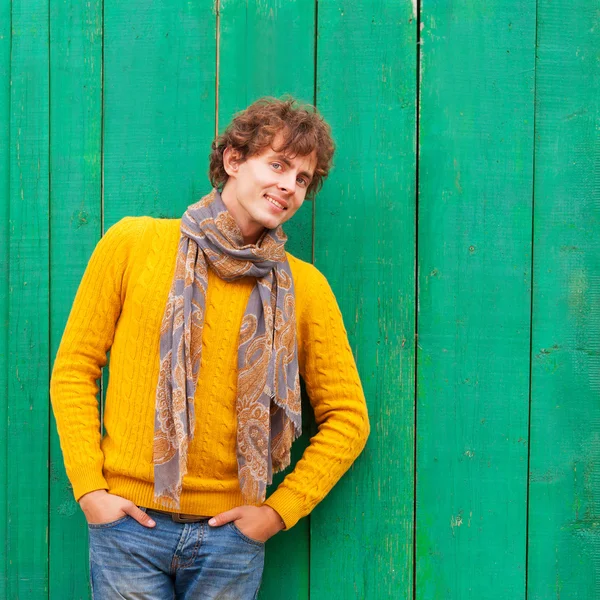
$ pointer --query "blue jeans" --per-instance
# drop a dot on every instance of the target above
(173, 560)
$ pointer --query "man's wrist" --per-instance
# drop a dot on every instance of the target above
(91, 496)
(274, 516)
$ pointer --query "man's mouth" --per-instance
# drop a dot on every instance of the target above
(275, 202)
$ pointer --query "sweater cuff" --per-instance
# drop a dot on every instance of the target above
(86, 479)
(288, 505)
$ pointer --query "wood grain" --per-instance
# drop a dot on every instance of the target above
(28, 305)
(362, 533)
(475, 211)
(159, 106)
(5, 22)
(564, 483)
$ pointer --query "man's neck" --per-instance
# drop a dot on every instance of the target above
(250, 230)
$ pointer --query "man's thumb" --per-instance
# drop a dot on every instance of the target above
(140, 516)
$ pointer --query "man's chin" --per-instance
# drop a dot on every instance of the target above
(270, 223)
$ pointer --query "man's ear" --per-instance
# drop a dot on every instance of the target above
(231, 161)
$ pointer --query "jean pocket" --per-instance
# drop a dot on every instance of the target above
(109, 524)
(113, 523)
(244, 536)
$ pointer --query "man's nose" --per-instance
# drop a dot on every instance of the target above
(288, 181)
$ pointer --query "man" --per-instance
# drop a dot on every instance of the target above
(210, 323)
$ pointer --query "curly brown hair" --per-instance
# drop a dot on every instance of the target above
(253, 129)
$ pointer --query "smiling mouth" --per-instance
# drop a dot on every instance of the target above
(275, 203)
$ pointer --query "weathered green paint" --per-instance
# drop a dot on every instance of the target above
(474, 274)
(258, 56)
(506, 166)
(76, 226)
(5, 23)
(564, 492)
(361, 534)
(159, 105)
(28, 305)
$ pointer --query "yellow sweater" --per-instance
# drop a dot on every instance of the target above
(119, 307)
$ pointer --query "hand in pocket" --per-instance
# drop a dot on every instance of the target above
(100, 508)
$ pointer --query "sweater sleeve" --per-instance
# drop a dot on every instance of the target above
(87, 337)
(336, 396)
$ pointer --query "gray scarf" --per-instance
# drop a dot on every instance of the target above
(268, 389)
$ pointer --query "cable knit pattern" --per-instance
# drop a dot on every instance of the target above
(119, 307)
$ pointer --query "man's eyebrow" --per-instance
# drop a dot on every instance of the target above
(286, 160)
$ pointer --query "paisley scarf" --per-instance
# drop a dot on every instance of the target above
(268, 386)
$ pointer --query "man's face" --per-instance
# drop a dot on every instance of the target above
(266, 189)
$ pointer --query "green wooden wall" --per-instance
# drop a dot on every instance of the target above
(460, 230)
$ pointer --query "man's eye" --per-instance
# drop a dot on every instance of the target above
(276, 164)
(302, 180)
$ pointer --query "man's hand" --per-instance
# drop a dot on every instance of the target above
(257, 522)
(101, 507)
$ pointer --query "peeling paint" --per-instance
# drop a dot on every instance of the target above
(456, 521)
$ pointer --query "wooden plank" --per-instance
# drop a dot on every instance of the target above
(474, 265)
(5, 23)
(564, 504)
(361, 534)
(159, 106)
(266, 49)
(28, 302)
(75, 154)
